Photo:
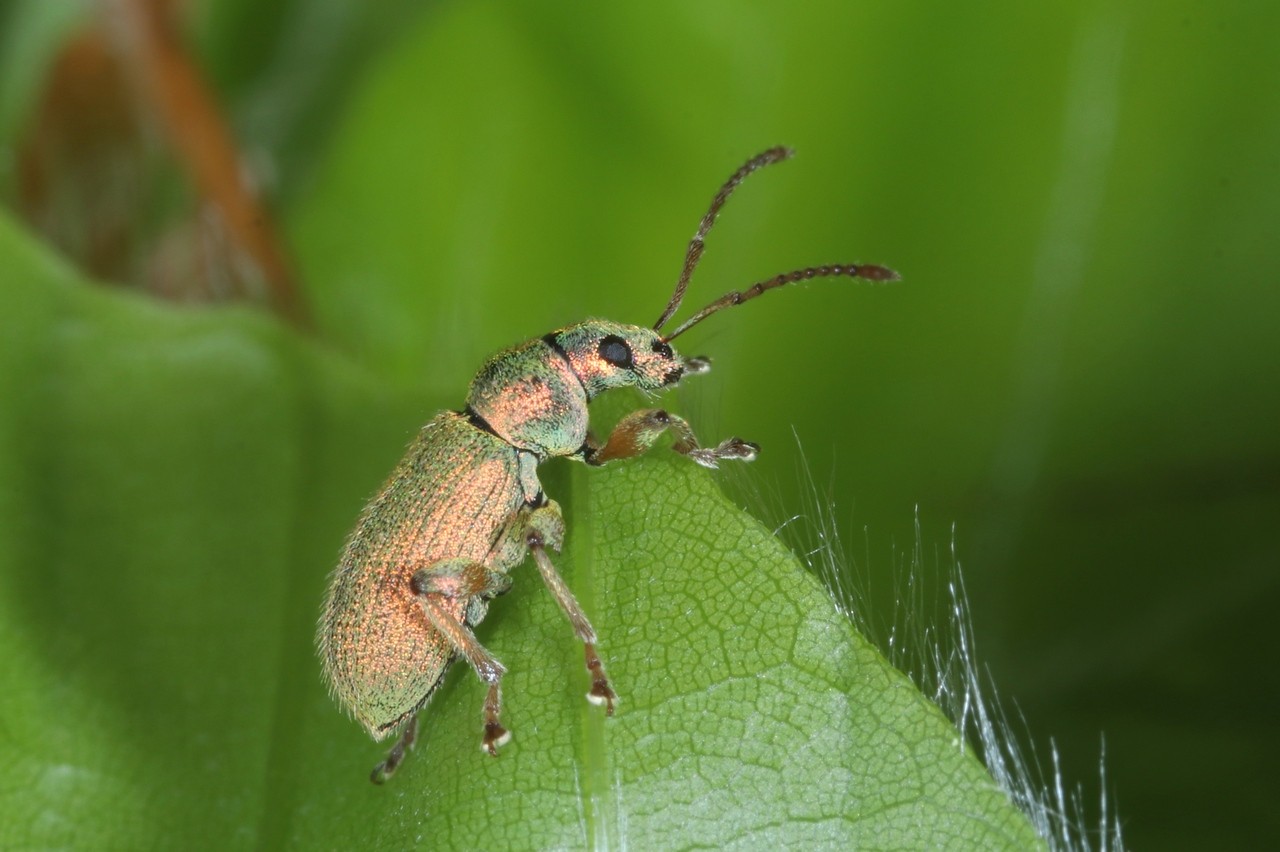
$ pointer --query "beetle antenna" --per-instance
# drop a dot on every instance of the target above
(696, 245)
(867, 272)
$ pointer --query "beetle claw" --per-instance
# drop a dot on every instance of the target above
(602, 696)
(495, 737)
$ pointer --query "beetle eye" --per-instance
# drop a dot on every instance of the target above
(661, 348)
(615, 351)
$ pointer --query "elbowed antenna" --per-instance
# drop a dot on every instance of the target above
(865, 271)
(694, 253)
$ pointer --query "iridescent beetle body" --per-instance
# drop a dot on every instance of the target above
(464, 506)
(381, 655)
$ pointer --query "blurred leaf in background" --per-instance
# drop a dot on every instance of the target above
(1079, 371)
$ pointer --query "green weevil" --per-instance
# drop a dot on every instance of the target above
(464, 506)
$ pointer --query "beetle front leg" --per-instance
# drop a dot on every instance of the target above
(461, 579)
(638, 431)
(546, 529)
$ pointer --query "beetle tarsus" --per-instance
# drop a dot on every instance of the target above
(495, 737)
(730, 449)
(601, 693)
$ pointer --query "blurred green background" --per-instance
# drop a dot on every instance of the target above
(1080, 373)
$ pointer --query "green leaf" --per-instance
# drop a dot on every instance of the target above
(175, 488)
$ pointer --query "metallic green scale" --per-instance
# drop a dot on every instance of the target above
(381, 657)
(464, 506)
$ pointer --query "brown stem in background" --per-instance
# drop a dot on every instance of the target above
(173, 91)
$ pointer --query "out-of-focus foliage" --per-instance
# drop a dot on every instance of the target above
(1079, 370)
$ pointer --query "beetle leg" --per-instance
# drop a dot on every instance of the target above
(546, 527)
(638, 431)
(458, 578)
(403, 746)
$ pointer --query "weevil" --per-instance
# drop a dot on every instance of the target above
(464, 507)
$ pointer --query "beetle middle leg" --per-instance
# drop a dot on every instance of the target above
(545, 528)
(463, 579)
(638, 431)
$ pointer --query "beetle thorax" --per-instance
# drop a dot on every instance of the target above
(606, 355)
(530, 397)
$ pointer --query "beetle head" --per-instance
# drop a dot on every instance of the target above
(608, 355)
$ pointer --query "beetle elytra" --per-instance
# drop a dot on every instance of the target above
(464, 506)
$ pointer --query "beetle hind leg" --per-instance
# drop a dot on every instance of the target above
(453, 579)
(384, 770)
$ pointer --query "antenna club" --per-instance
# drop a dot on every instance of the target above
(871, 272)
